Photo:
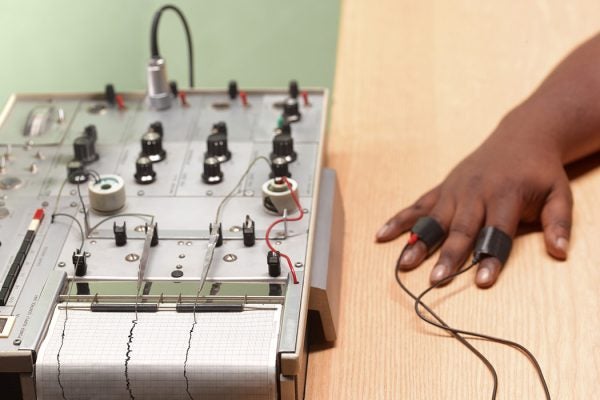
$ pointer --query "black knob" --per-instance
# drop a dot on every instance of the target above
(109, 94)
(120, 232)
(212, 171)
(274, 263)
(279, 168)
(174, 88)
(291, 110)
(293, 89)
(144, 172)
(216, 143)
(152, 147)
(232, 90)
(283, 146)
(76, 172)
(219, 127)
(85, 150)
(91, 132)
(156, 127)
(285, 128)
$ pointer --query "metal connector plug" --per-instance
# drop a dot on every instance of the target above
(159, 92)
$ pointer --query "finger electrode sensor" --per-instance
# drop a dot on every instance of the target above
(492, 242)
(429, 231)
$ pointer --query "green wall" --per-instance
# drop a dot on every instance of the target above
(79, 45)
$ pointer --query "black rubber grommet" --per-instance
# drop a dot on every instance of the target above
(429, 232)
(492, 242)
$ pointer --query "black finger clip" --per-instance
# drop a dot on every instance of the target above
(492, 242)
(429, 231)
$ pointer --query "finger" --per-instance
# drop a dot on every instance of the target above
(556, 220)
(504, 214)
(406, 218)
(487, 272)
(412, 256)
(461, 236)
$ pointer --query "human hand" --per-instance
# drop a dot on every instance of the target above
(511, 177)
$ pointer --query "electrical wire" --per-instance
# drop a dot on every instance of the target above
(236, 187)
(458, 332)
(143, 217)
(154, 37)
(78, 224)
(94, 174)
(276, 222)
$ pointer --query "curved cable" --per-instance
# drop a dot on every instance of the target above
(446, 327)
(454, 331)
(154, 37)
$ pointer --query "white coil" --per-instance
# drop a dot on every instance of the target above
(107, 195)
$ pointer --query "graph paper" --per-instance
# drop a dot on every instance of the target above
(230, 355)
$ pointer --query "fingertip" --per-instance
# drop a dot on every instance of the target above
(557, 246)
(412, 256)
(439, 273)
(488, 272)
(385, 233)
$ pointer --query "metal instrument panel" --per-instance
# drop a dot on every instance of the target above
(180, 202)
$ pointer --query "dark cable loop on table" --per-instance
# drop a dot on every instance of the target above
(446, 327)
(154, 38)
(458, 332)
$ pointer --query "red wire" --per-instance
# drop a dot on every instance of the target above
(298, 218)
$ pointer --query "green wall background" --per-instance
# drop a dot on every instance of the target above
(80, 45)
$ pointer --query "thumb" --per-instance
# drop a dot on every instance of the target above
(556, 220)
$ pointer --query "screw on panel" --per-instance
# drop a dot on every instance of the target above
(249, 193)
(140, 193)
(209, 193)
(17, 342)
(181, 243)
(45, 204)
(73, 192)
(131, 257)
(182, 256)
(188, 243)
(140, 228)
(73, 204)
(229, 257)
(87, 254)
(298, 265)
(235, 228)
(62, 264)
(179, 266)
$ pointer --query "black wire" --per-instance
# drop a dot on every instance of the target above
(454, 331)
(154, 38)
(78, 224)
(506, 342)
(446, 327)
(85, 212)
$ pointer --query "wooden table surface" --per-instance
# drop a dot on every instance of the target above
(419, 84)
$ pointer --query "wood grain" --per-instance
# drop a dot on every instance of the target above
(419, 84)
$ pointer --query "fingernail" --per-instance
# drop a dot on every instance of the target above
(562, 244)
(439, 272)
(383, 231)
(483, 276)
(409, 257)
